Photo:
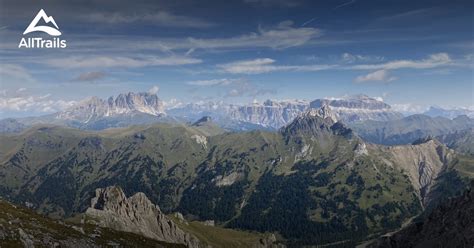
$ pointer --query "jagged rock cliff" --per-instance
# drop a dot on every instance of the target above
(137, 214)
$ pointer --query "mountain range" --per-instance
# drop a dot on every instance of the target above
(146, 108)
(314, 181)
(371, 118)
(449, 113)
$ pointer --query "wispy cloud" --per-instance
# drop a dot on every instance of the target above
(118, 61)
(377, 76)
(434, 60)
(408, 108)
(234, 87)
(265, 65)
(154, 90)
(344, 4)
(160, 18)
(270, 3)
(212, 82)
(90, 76)
(15, 72)
(241, 88)
(353, 58)
(308, 21)
(42, 103)
(284, 35)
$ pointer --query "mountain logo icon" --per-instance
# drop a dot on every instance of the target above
(47, 29)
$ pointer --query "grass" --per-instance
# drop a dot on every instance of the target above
(219, 236)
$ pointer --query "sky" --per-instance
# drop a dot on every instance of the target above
(411, 54)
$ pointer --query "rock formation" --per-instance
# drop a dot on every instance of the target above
(111, 208)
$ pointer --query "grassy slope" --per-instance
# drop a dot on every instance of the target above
(219, 236)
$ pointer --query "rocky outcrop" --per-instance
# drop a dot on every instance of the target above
(422, 162)
(317, 123)
(449, 225)
(137, 214)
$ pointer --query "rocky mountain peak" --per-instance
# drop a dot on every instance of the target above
(324, 112)
(94, 108)
(112, 209)
(317, 122)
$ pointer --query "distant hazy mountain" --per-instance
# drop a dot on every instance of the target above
(275, 114)
(131, 103)
(449, 113)
(461, 141)
(96, 114)
(409, 129)
(359, 108)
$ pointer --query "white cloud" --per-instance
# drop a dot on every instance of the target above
(33, 103)
(160, 18)
(154, 90)
(408, 108)
(434, 60)
(118, 61)
(352, 58)
(380, 75)
(173, 103)
(265, 65)
(254, 66)
(90, 76)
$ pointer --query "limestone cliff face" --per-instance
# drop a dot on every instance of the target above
(423, 162)
(137, 214)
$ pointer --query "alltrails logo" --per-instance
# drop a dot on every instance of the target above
(38, 42)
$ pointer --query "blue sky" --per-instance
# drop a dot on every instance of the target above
(413, 54)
